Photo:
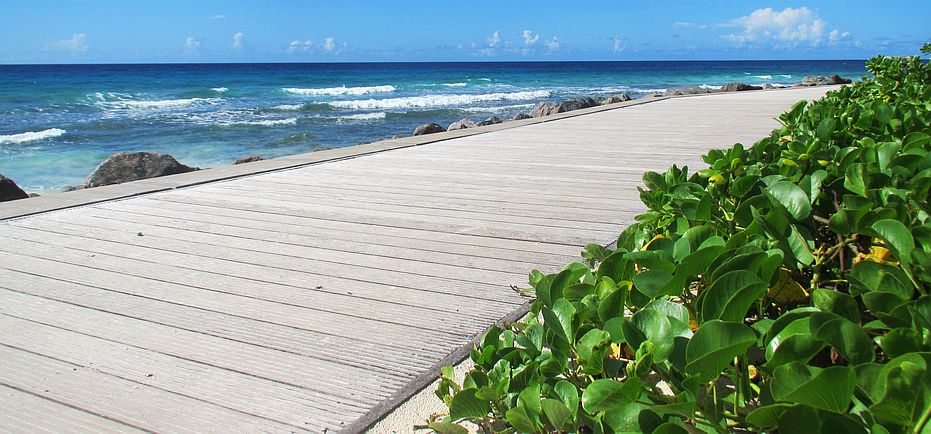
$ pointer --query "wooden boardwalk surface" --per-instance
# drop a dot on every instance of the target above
(317, 298)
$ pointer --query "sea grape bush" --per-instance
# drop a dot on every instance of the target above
(784, 287)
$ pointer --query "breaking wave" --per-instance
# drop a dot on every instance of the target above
(31, 136)
(337, 91)
(438, 100)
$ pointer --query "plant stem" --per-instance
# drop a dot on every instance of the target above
(920, 426)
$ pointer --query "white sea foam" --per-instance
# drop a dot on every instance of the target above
(364, 116)
(497, 109)
(288, 107)
(484, 79)
(764, 77)
(268, 122)
(31, 136)
(219, 89)
(118, 101)
(455, 84)
(438, 100)
(785, 75)
(342, 90)
(710, 86)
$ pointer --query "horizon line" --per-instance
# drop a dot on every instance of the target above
(426, 62)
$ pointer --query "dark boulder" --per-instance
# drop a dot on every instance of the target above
(738, 87)
(521, 116)
(621, 97)
(836, 79)
(545, 109)
(821, 80)
(693, 90)
(461, 124)
(428, 129)
(122, 167)
(577, 104)
(249, 159)
(9, 190)
(490, 121)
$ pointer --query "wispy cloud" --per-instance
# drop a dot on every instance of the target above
(552, 44)
(216, 17)
(529, 37)
(191, 46)
(329, 44)
(237, 40)
(300, 46)
(618, 45)
(76, 44)
(689, 25)
(494, 40)
(788, 27)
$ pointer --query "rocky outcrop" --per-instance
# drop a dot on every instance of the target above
(9, 190)
(693, 90)
(621, 97)
(461, 124)
(428, 129)
(249, 159)
(738, 87)
(577, 103)
(521, 116)
(821, 80)
(544, 109)
(122, 167)
(490, 121)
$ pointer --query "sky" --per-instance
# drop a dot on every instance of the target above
(172, 31)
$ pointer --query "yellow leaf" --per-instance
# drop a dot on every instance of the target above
(615, 352)
(647, 245)
(786, 290)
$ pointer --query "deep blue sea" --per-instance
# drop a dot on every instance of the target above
(58, 122)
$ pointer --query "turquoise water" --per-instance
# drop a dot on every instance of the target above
(57, 122)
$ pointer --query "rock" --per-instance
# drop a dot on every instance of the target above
(738, 87)
(821, 80)
(428, 129)
(35, 195)
(462, 124)
(249, 159)
(577, 103)
(521, 116)
(9, 190)
(693, 90)
(836, 79)
(545, 109)
(621, 97)
(123, 167)
(490, 121)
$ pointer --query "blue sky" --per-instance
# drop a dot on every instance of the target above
(106, 31)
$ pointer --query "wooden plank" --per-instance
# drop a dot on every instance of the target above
(191, 333)
(120, 399)
(27, 413)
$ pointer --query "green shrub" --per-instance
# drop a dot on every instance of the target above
(783, 287)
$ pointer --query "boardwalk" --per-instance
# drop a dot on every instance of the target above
(318, 297)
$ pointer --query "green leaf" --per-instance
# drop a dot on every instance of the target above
(768, 416)
(465, 405)
(559, 319)
(612, 305)
(520, 420)
(632, 418)
(791, 197)
(447, 428)
(569, 394)
(529, 398)
(854, 179)
(714, 347)
(793, 343)
(730, 296)
(652, 325)
(592, 348)
(848, 338)
(828, 389)
(901, 341)
(897, 237)
(652, 282)
(556, 414)
(670, 428)
(836, 302)
(610, 395)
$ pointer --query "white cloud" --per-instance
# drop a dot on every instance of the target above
(76, 44)
(788, 27)
(494, 39)
(838, 36)
(329, 43)
(529, 37)
(237, 40)
(553, 44)
(216, 17)
(618, 45)
(302, 46)
(687, 24)
(191, 46)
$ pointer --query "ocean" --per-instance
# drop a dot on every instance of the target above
(58, 122)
